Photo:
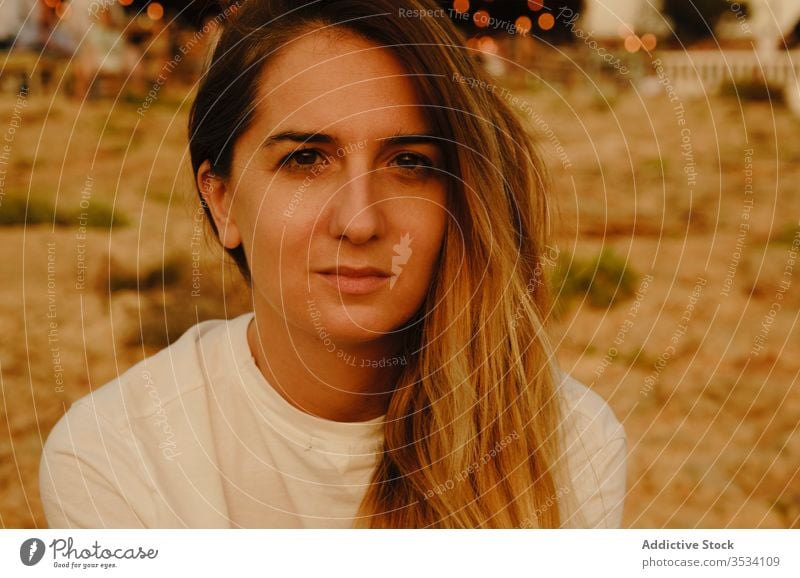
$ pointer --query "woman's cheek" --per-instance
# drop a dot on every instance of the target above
(263, 239)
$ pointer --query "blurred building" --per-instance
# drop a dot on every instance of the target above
(767, 23)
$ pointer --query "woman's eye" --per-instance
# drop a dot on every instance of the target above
(305, 159)
(414, 164)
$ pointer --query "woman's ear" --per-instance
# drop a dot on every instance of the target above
(219, 199)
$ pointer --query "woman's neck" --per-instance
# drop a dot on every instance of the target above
(340, 385)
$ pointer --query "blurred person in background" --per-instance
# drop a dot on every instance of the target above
(100, 49)
(24, 31)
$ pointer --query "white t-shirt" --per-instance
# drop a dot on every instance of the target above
(195, 437)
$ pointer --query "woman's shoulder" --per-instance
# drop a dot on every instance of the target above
(100, 461)
(587, 410)
(167, 377)
(596, 449)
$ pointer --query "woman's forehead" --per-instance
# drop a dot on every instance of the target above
(323, 80)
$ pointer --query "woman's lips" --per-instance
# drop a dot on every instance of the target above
(355, 284)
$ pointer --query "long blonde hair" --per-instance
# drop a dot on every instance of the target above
(472, 434)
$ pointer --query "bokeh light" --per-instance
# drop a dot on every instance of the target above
(632, 43)
(535, 5)
(523, 25)
(546, 21)
(481, 19)
(649, 41)
(461, 5)
(487, 44)
(125, 2)
(51, 3)
(155, 11)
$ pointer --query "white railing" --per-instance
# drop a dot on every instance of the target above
(695, 71)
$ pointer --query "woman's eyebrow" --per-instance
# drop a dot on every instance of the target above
(397, 139)
(299, 137)
(410, 139)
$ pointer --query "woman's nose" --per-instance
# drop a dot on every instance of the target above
(357, 209)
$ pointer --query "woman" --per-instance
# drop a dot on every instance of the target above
(390, 218)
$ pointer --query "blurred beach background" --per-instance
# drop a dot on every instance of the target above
(671, 140)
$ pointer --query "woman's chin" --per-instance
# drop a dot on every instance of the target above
(353, 324)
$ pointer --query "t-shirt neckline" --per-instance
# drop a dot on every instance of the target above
(304, 428)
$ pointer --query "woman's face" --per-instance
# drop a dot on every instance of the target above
(337, 190)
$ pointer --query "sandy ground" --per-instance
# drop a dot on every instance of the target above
(712, 424)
